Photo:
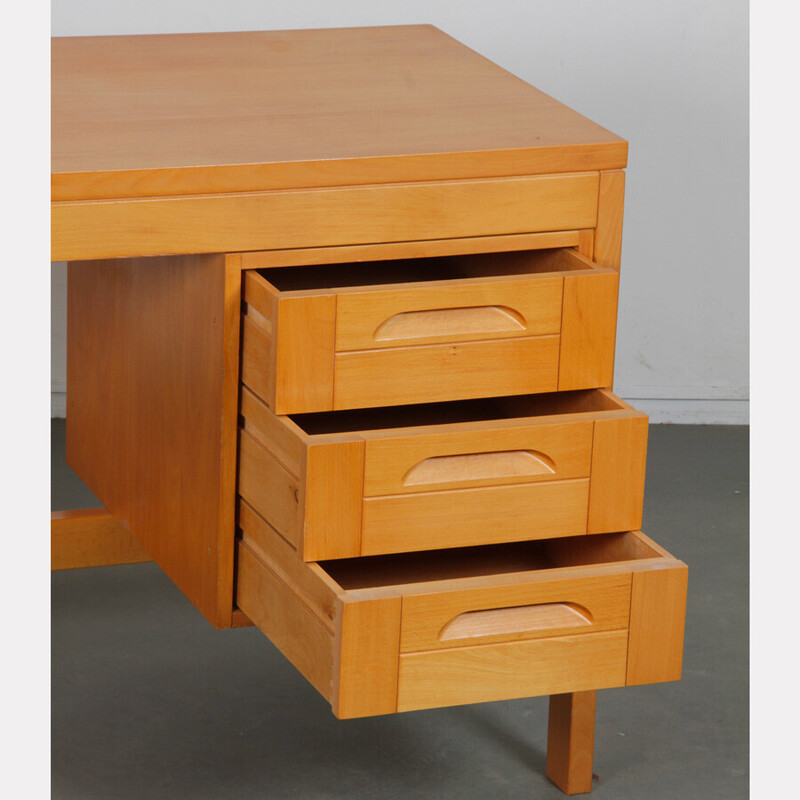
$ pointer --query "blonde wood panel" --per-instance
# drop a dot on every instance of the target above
(658, 613)
(309, 100)
(304, 353)
(464, 312)
(570, 741)
(152, 375)
(334, 495)
(365, 669)
(602, 600)
(261, 295)
(258, 359)
(464, 517)
(445, 372)
(271, 489)
(309, 581)
(588, 331)
(394, 250)
(91, 537)
(585, 244)
(513, 669)
(315, 218)
(288, 622)
(619, 455)
(415, 463)
(273, 433)
(608, 234)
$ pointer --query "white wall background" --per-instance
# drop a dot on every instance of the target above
(672, 78)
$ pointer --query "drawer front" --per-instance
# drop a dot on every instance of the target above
(492, 636)
(549, 606)
(474, 516)
(435, 373)
(509, 670)
(460, 311)
(391, 490)
(331, 216)
(548, 325)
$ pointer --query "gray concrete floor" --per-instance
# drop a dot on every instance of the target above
(148, 701)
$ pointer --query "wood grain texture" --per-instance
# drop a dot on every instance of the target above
(464, 517)
(658, 612)
(394, 465)
(619, 455)
(513, 669)
(276, 494)
(588, 331)
(258, 359)
(280, 109)
(152, 371)
(605, 600)
(91, 537)
(309, 581)
(610, 206)
(432, 373)
(286, 445)
(570, 741)
(290, 624)
(304, 345)
(424, 249)
(467, 311)
(365, 668)
(315, 218)
(334, 497)
(585, 244)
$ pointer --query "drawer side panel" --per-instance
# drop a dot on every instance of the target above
(291, 626)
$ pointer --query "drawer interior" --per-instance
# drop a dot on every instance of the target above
(399, 569)
(424, 270)
(459, 411)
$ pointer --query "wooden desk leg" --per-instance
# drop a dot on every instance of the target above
(570, 741)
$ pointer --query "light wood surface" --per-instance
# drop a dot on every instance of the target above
(602, 601)
(323, 217)
(492, 331)
(431, 314)
(619, 455)
(392, 250)
(278, 109)
(610, 206)
(433, 373)
(293, 628)
(366, 664)
(309, 581)
(91, 537)
(152, 382)
(658, 611)
(514, 669)
(570, 741)
(483, 515)
(388, 490)
(333, 500)
(405, 464)
(588, 331)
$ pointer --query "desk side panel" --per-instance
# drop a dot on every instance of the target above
(151, 410)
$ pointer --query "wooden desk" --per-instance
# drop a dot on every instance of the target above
(185, 163)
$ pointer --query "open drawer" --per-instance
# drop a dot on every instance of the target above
(387, 480)
(427, 329)
(420, 630)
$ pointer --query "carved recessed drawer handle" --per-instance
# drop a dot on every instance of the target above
(450, 322)
(519, 619)
(479, 466)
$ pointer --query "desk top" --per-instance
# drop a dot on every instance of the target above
(167, 115)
